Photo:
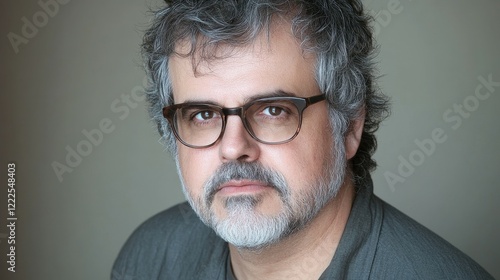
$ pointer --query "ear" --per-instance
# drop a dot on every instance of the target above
(353, 136)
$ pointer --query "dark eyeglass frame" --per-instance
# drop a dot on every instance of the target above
(300, 102)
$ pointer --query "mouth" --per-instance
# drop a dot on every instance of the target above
(242, 187)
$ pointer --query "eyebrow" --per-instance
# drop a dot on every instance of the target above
(276, 93)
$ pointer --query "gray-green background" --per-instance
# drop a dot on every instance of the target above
(82, 66)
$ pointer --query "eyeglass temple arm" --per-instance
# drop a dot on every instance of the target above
(315, 99)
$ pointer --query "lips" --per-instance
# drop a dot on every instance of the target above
(241, 186)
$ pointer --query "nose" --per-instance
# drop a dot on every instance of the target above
(236, 143)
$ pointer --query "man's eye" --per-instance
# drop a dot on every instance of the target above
(273, 111)
(205, 115)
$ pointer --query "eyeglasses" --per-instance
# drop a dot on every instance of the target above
(271, 120)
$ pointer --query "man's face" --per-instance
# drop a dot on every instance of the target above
(296, 174)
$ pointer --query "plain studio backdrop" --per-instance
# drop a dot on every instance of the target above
(89, 168)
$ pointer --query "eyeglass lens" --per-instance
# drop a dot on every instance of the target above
(269, 121)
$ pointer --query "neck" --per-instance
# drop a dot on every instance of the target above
(305, 254)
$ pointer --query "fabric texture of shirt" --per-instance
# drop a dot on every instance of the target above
(379, 242)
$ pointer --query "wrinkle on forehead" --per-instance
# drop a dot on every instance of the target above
(205, 55)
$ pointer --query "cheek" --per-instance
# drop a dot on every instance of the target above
(196, 167)
(301, 162)
(313, 152)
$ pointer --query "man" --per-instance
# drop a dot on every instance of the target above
(270, 109)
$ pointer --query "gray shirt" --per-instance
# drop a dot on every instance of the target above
(379, 242)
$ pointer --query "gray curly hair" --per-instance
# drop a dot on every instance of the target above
(336, 31)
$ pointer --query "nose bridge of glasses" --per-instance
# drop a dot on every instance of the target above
(237, 111)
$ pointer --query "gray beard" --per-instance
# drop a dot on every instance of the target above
(246, 228)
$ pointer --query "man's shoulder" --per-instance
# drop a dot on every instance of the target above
(167, 245)
(171, 220)
(407, 248)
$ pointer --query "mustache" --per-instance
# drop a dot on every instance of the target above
(245, 171)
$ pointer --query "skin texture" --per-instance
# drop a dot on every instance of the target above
(270, 64)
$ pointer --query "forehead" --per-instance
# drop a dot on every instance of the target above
(273, 62)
